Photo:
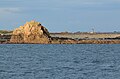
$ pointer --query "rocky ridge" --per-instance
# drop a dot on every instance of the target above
(31, 32)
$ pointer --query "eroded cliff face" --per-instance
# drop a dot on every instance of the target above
(31, 32)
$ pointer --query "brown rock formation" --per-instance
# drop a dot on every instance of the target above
(31, 32)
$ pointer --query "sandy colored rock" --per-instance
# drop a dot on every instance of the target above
(31, 32)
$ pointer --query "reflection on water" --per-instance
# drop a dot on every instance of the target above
(60, 61)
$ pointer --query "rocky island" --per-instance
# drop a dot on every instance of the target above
(34, 33)
(31, 32)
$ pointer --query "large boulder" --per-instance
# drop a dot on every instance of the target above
(31, 32)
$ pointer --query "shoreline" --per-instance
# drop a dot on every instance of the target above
(65, 39)
(75, 42)
(34, 33)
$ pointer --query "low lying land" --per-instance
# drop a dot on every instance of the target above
(88, 38)
(73, 38)
(34, 33)
(86, 35)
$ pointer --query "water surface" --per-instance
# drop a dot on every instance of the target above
(75, 61)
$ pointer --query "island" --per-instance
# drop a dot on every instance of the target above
(35, 33)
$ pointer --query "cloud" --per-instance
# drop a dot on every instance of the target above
(10, 10)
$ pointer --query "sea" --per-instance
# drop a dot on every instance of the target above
(60, 61)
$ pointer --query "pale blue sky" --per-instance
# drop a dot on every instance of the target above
(62, 15)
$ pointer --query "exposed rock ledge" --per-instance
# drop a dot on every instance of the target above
(31, 32)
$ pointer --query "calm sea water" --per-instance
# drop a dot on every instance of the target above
(76, 61)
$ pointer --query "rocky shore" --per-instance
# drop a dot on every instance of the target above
(34, 33)
(84, 41)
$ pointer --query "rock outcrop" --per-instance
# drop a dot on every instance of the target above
(31, 32)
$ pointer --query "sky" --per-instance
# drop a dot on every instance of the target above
(62, 15)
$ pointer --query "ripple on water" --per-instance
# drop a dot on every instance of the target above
(59, 61)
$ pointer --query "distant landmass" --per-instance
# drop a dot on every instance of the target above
(34, 33)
